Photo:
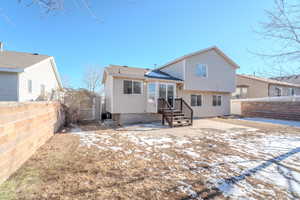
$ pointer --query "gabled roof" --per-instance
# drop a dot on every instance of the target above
(213, 48)
(19, 60)
(12, 61)
(161, 75)
(136, 73)
(286, 78)
(267, 80)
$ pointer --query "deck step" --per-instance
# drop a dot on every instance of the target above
(182, 121)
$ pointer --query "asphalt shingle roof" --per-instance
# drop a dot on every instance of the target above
(13, 59)
(161, 75)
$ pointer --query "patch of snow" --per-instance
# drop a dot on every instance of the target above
(191, 153)
(143, 127)
(273, 121)
(187, 189)
(182, 142)
(116, 148)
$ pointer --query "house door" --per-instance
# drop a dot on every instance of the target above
(167, 92)
(159, 90)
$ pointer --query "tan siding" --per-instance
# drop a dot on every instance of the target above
(128, 103)
(256, 89)
(108, 88)
(176, 70)
(207, 109)
(221, 75)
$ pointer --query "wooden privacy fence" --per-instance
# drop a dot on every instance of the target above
(24, 127)
(289, 110)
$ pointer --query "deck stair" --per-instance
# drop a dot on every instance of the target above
(179, 114)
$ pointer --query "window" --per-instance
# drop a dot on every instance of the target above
(278, 91)
(132, 87)
(151, 92)
(201, 70)
(137, 87)
(291, 91)
(43, 90)
(162, 91)
(196, 100)
(217, 100)
(240, 92)
(29, 86)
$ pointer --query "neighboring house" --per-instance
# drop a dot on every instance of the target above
(295, 79)
(27, 76)
(248, 86)
(204, 80)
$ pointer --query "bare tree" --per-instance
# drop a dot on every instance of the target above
(283, 29)
(48, 5)
(92, 78)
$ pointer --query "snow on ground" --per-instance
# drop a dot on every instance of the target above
(274, 121)
(241, 163)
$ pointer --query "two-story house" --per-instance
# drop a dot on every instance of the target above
(198, 84)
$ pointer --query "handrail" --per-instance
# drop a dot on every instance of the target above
(162, 110)
(189, 107)
(167, 110)
(183, 102)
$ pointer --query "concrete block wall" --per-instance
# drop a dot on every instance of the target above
(24, 127)
(275, 110)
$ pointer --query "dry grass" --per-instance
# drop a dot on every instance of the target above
(117, 167)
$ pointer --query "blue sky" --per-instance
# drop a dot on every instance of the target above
(137, 33)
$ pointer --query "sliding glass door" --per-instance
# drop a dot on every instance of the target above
(157, 90)
(167, 92)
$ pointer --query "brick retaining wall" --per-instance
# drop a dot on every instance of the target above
(24, 127)
(275, 110)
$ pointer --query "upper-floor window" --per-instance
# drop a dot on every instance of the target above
(278, 91)
(217, 100)
(29, 86)
(201, 70)
(196, 100)
(132, 87)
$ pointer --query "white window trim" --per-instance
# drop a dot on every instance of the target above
(280, 91)
(142, 86)
(290, 91)
(217, 100)
(157, 90)
(206, 66)
(29, 89)
(196, 100)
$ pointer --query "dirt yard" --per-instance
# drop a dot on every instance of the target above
(214, 159)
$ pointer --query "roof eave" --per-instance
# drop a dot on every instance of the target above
(200, 52)
(15, 70)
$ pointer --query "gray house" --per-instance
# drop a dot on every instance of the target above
(289, 79)
(201, 82)
(27, 76)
